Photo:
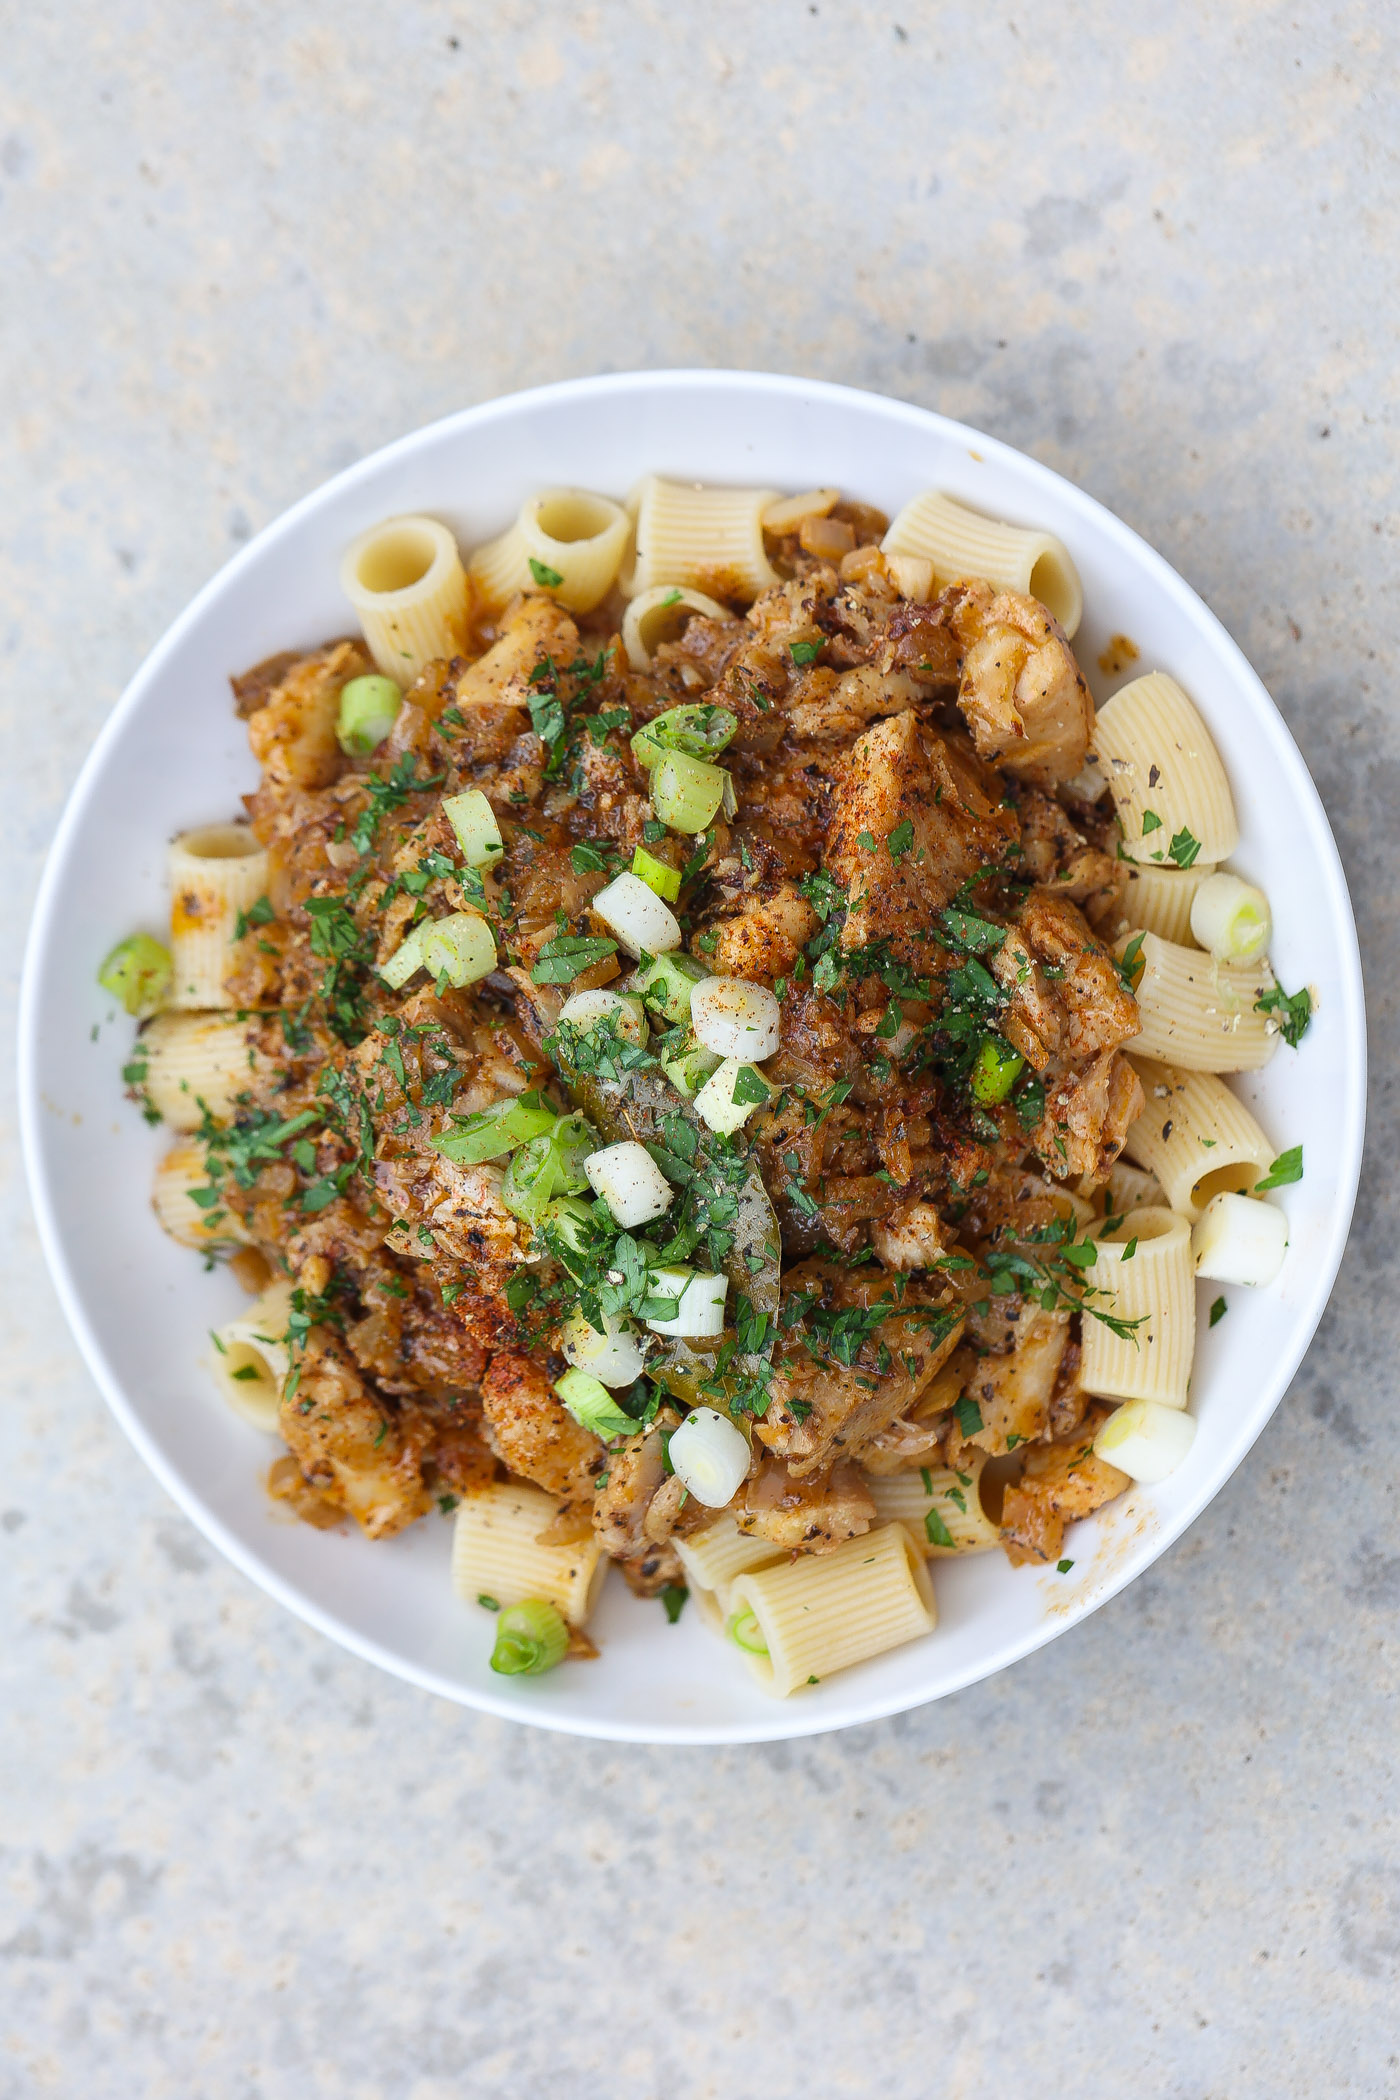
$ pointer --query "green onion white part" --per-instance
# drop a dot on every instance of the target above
(688, 793)
(1146, 1440)
(1231, 918)
(1239, 1239)
(658, 875)
(667, 982)
(736, 1019)
(710, 1457)
(689, 1068)
(369, 708)
(641, 920)
(715, 1102)
(137, 972)
(592, 1405)
(629, 1182)
(699, 1314)
(530, 1638)
(614, 1358)
(459, 948)
(584, 1010)
(406, 958)
(474, 821)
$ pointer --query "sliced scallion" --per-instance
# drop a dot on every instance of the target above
(530, 1638)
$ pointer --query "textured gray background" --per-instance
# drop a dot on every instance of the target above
(243, 244)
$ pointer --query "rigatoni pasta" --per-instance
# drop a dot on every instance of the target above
(940, 1506)
(1164, 773)
(1195, 1136)
(217, 875)
(1143, 1279)
(497, 1554)
(816, 1615)
(1159, 900)
(182, 1175)
(958, 542)
(1196, 1013)
(196, 1065)
(406, 582)
(708, 538)
(568, 542)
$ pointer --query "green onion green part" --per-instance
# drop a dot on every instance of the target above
(530, 1639)
(368, 710)
(137, 972)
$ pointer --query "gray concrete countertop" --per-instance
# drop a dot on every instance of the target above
(245, 244)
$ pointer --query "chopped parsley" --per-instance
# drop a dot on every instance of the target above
(567, 956)
(1184, 848)
(1288, 1167)
(1293, 1012)
(1218, 1311)
(547, 578)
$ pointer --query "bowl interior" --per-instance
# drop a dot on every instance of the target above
(173, 755)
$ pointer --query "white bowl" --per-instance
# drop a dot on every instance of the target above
(173, 755)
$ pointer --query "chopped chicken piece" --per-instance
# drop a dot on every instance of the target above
(1061, 1481)
(1021, 691)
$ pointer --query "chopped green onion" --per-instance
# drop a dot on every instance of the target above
(995, 1070)
(494, 1131)
(406, 958)
(474, 821)
(698, 730)
(667, 983)
(368, 710)
(690, 1068)
(746, 1633)
(137, 972)
(530, 1638)
(547, 1167)
(687, 793)
(658, 875)
(459, 948)
(592, 1405)
(570, 1228)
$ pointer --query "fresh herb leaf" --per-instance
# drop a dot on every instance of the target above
(936, 1530)
(548, 578)
(566, 957)
(1184, 848)
(1286, 1168)
(1129, 964)
(1150, 822)
(804, 652)
(1218, 1311)
(1293, 1012)
(675, 1593)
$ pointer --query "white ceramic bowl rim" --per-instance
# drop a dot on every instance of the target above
(799, 1716)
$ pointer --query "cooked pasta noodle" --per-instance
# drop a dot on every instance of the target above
(961, 542)
(715, 1557)
(250, 1358)
(216, 875)
(194, 1061)
(658, 616)
(1199, 1014)
(710, 538)
(1197, 1137)
(1158, 900)
(1133, 1188)
(571, 534)
(822, 1613)
(186, 1167)
(1165, 774)
(940, 1506)
(496, 1553)
(406, 582)
(1145, 1273)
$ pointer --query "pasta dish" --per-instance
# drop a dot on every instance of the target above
(709, 1057)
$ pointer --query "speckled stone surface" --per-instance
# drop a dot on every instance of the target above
(241, 245)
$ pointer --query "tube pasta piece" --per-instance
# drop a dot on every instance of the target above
(1133, 1188)
(716, 1557)
(406, 582)
(496, 1553)
(1159, 900)
(1197, 1013)
(1154, 1284)
(1164, 772)
(1196, 1136)
(939, 1506)
(659, 615)
(250, 1359)
(823, 1612)
(194, 1061)
(961, 542)
(215, 874)
(569, 533)
(711, 539)
(186, 1167)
